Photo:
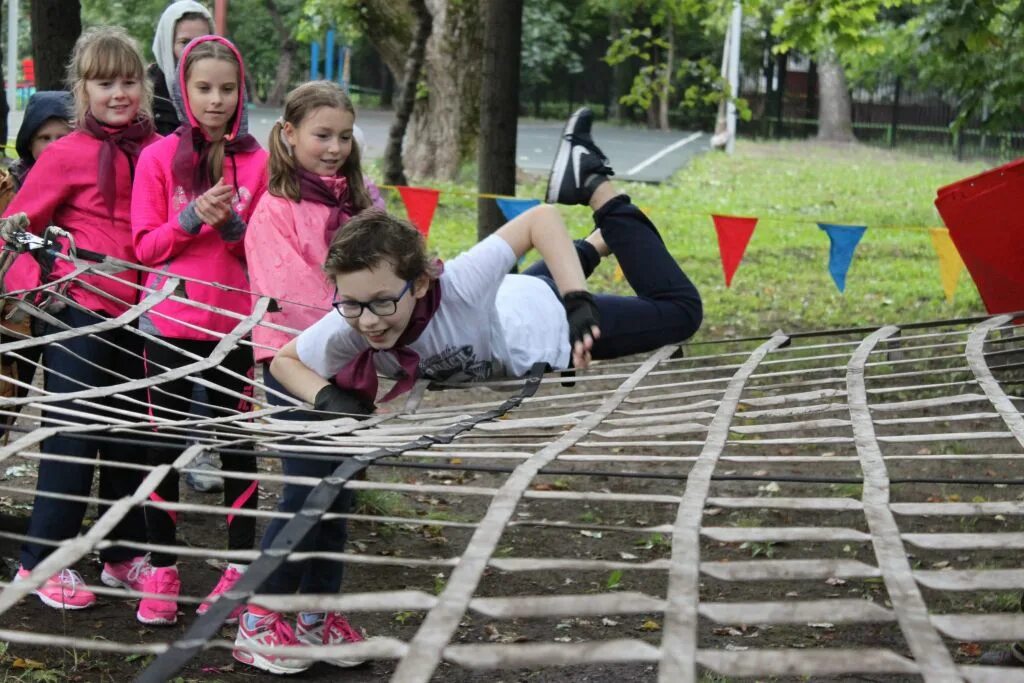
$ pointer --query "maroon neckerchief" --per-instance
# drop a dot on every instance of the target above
(191, 165)
(360, 374)
(312, 188)
(127, 139)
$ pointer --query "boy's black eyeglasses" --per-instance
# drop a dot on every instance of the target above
(381, 307)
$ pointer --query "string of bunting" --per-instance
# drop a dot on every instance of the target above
(733, 232)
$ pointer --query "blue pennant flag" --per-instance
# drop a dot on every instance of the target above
(844, 240)
(512, 207)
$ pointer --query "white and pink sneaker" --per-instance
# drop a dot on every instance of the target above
(64, 590)
(318, 628)
(130, 574)
(227, 581)
(266, 629)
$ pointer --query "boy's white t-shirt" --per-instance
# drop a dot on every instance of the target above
(489, 324)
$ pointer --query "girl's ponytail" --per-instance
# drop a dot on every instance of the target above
(353, 172)
(283, 182)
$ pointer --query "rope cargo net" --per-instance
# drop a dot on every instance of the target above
(665, 515)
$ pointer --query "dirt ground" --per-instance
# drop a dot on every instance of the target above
(600, 530)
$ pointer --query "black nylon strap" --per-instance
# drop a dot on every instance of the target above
(320, 499)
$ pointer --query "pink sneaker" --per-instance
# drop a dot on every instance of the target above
(332, 629)
(162, 581)
(227, 581)
(268, 630)
(65, 590)
(130, 574)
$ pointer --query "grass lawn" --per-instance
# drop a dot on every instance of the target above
(783, 281)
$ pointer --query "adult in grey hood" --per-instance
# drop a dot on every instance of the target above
(179, 24)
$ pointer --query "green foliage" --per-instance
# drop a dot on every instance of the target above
(550, 45)
(846, 26)
(138, 17)
(614, 579)
(971, 50)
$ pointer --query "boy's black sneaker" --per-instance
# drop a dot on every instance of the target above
(579, 165)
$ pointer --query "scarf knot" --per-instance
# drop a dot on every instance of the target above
(332, 192)
(126, 139)
(360, 374)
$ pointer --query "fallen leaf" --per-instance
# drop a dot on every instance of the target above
(835, 581)
(650, 625)
(822, 624)
(605, 621)
(969, 649)
(26, 663)
(627, 556)
(590, 534)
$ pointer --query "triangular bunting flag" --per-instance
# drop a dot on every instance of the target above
(512, 207)
(420, 203)
(844, 239)
(733, 235)
(950, 263)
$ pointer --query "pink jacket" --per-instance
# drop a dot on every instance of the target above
(285, 248)
(161, 242)
(62, 190)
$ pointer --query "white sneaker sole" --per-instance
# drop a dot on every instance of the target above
(156, 621)
(259, 661)
(50, 602)
(561, 163)
(114, 582)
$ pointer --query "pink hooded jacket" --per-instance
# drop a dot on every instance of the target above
(62, 189)
(162, 242)
(285, 247)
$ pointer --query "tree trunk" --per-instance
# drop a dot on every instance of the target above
(664, 97)
(835, 110)
(444, 125)
(499, 108)
(288, 49)
(55, 26)
(394, 172)
(390, 26)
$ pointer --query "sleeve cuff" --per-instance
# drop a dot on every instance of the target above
(189, 220)
(233, 230)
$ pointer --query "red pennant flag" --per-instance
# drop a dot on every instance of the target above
(420, 203)
(733, 235)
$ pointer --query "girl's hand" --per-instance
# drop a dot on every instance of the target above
(214, 205)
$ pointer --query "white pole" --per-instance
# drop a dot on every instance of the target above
(734, 74)
(12, 54)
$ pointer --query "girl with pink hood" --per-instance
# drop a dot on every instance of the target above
(193, 194)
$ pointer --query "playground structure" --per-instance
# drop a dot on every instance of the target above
(839, 502)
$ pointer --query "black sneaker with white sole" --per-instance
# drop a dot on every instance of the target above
(580, 166)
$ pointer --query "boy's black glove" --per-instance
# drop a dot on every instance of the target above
(331, 399)
(581, 311)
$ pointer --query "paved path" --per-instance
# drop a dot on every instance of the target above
(636, 153)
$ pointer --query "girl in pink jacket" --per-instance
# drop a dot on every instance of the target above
(82, 183)
(193, 195)
(316, 185)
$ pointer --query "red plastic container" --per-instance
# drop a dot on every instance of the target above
(985, 217)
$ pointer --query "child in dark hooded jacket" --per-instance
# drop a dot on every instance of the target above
(47, 118)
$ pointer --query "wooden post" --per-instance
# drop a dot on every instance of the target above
(220, 17)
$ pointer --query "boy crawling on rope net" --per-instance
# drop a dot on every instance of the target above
(400, 313)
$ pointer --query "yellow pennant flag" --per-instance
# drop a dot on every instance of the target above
(950, 263)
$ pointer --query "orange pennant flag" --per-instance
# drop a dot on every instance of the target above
(950, 263)
(734, 234)
(420, 203)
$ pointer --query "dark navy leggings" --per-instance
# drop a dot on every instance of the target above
(667, 307)
(86, 362)
(315, 575)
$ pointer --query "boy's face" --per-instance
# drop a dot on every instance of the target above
(50, 131)
(185, 31)
(378, 284)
